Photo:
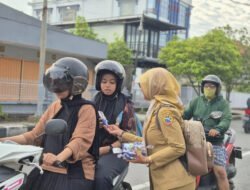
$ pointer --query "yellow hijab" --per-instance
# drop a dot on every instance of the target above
(160, 85)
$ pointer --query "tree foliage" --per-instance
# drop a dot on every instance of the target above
(241, 38)
(119, 51)
(244, 80)
(213, 53)
(82, 29)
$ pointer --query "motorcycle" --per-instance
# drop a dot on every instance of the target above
(246, 121)
(208, 181)
(118, 181)
(17, 161)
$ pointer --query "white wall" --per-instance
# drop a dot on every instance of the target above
(142, 5)
(238, 99)
(91, 9)
(109, 32)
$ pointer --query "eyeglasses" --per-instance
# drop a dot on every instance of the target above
(209, 85)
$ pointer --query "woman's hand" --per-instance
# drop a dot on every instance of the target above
(49, 159)
(114, 130)
(213, 132)
(107, 149)
(104, 150)
(141, 159)
(101, 125)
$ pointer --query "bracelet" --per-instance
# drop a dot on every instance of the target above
(121, 134)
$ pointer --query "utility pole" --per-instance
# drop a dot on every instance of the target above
(43, 40)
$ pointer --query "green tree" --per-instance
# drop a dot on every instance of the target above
(119, 51)
(238, 35)
(242, 41)
(244, 80)
(82, 29)
(2, 115)
(213, 53)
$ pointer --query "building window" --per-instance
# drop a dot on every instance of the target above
(151, 6)
(182, 34)
(127, 7)
(148, 44)
(68, 13)
(145, 42)
(39, 14)
(162, 39)
(132, 39)
(182, 16)
(164, 6)
(153, 44)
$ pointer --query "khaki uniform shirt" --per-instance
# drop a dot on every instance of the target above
(166, 170)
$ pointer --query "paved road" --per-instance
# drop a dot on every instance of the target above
(242, 179)
(138, 174)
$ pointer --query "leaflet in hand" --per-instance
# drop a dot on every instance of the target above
(103, 118)
(130, 150)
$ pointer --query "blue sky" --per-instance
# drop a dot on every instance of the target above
(206, 14)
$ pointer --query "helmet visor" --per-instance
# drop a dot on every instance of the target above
(57, 80)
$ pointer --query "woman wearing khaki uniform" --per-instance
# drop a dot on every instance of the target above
(162, 131)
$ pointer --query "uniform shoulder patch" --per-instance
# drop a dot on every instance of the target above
(168, 120)
(166, 117)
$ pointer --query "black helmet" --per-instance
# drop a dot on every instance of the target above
(109, 66)
(211, 79)
(66, 74)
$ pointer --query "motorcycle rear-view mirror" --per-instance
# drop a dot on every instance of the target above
(216, 114)
(55, 127)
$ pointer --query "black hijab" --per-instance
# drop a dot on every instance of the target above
(111, 106)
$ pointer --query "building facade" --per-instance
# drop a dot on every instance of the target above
(19, 59)
(145, 25)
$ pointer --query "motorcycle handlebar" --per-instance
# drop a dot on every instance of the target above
(59, 164)
(207, 132)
